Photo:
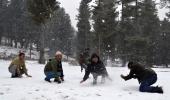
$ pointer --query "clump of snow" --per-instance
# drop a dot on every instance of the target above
(36, 88)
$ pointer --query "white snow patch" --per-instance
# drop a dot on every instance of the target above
(36, 88)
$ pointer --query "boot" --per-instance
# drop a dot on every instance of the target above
(58, 80)
(47, 80)
(157, 89)
(62, 79)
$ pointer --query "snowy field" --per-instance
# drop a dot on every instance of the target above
(36, 88)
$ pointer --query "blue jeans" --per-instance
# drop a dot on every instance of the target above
(50, 75)
(145, 85)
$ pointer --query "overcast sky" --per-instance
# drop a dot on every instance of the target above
(71, 7)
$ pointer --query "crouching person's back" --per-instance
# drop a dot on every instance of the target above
(17, 67)
(146, 77)
(53, 69)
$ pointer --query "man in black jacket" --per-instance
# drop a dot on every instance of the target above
(145, 76)
(96, 68)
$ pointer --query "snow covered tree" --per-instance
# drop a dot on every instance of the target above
(83, 25)
(62, 33)
(105, 24)
(3, 7)
(163, 49)
(41, 11)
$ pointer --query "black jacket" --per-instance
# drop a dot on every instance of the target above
(98, 68)
(140, 72)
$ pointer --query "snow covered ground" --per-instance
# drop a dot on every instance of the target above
(36, 88)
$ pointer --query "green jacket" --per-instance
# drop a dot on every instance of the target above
(51, 66)
(20, 65)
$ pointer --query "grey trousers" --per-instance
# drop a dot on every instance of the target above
(95, 76)
(13, 70)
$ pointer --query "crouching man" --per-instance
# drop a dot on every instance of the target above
(145, 76)
(96, 68)
(17, 67)
(53, 69)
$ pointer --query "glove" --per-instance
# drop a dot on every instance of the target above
(122, 76)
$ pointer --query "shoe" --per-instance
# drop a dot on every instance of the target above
(13, 76)
(57, 80)
(160, 90)
(157, 89)
(62, 79)
(47, 80)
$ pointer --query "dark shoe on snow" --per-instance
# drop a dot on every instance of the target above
(62, 79)
(157, 90)
(57, 80)
(47, 80)
(160, 90)
(13, 76)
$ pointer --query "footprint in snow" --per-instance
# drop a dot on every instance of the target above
(98, 95)
(120, 95)
(37, 90)
(29, 93)
(66, 97)
(6, 84)
(8, 89)
(1, 93)
(58, 92)
(71, 89)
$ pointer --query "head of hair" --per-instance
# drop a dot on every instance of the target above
(58, 53)
(95, 55)
(21, 54)
(130, 64)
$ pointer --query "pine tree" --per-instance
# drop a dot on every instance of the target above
(84, 27)
(150, 26)
(3, 7)
(105, 24)
(41, 11)
(163, 48)
(128, 28)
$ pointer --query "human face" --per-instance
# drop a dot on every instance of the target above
(95, 59)
(22, 57)
(58, 57)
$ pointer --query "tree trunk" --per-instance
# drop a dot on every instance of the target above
(15, 43)
(42, 44)
(0, 40)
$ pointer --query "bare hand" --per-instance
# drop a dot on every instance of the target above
(122, 76)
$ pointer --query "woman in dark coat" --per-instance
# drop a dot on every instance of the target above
(96, 68)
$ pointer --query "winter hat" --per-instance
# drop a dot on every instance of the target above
(58, 53)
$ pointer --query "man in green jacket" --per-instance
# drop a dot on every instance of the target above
(53, 69)
(17, 67)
